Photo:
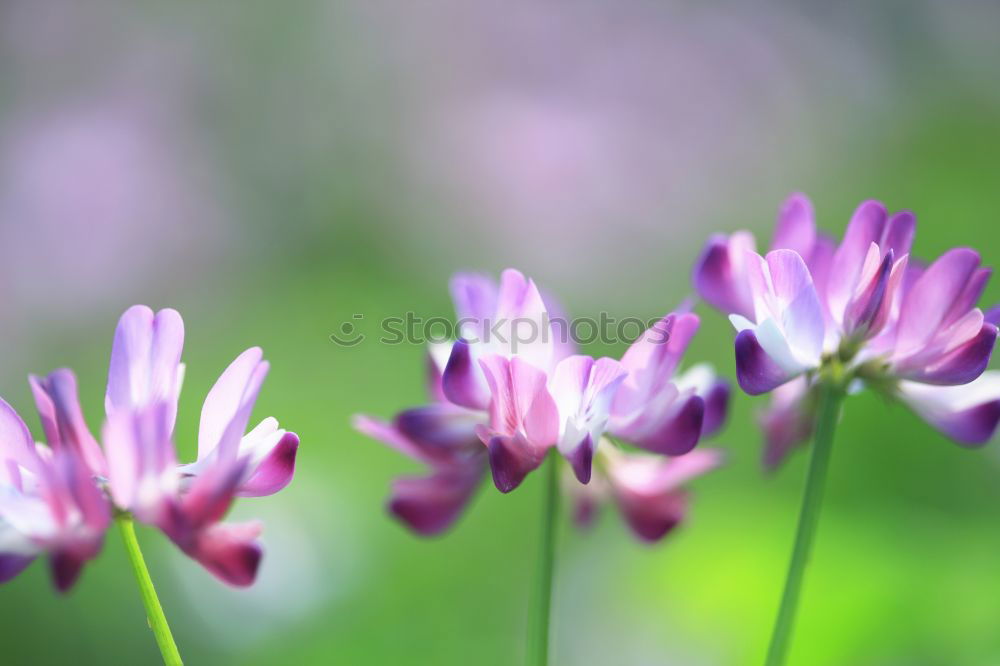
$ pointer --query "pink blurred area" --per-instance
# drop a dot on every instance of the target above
(104, 187)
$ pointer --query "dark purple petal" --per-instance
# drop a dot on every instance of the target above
(581, 459)
(462, 380)
(275, 471)
(66, 568)
(974, 426)
(961, 365)
(12, 565)
(430, 505)
(652, 517)
(511, 459)
(716, 408)
(440, 431)
(756, 372)
(677, 434)
(228, 551)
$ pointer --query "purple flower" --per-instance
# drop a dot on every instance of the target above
(502, 399)
(55, 497)
(863, 306)
(49, 504)
(188, 502)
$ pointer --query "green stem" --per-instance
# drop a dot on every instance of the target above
(829, 409)
(154, 612)
(546, 564)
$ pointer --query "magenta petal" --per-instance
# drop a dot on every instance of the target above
(756, 372)
(716, 408)
(275, 471)
(961, 365)
(12, 565)
(511, 459)
(652, 517)
(679, 433)
(228, 405)
(462, 381)
(229, 551)
(62, 419)
(430, 505)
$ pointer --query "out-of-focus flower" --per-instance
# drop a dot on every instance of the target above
(188, 502)
(647, 489)
(55, 498)
(443, 437)
(48, 504)
(889, 322)
(504, 395)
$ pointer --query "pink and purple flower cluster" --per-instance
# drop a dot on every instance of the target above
(59, 498)
(863, 308)
(502, 405)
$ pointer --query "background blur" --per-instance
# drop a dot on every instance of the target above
(271, 169)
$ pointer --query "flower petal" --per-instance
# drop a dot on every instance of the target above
(226, 411)
(961, 365)
(275, 471)
(430, 505)
(968, 413)
(463, 382)
(716, 408)
(229, 551)
(17, 448)
(796, 227)
(756, 371)
(145, 360)
(676, 434)
(651, 361)
(475, 298)
(511, 459)
(866, 227)
(928, 304)
(62, 419)
(719, 273)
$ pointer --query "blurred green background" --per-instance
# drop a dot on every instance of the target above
(272, 170)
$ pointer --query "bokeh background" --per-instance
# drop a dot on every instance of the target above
(272, 169)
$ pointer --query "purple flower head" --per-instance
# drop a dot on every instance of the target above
(188, 501)
(503, 402)
(49, 504)
(862, 306)
(55, 498)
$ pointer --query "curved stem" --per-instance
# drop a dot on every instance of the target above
(546, 563)
(829, 408)
(154, 612)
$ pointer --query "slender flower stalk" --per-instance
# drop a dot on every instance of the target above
(831, 397)
(154, 612)
(546, 564)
